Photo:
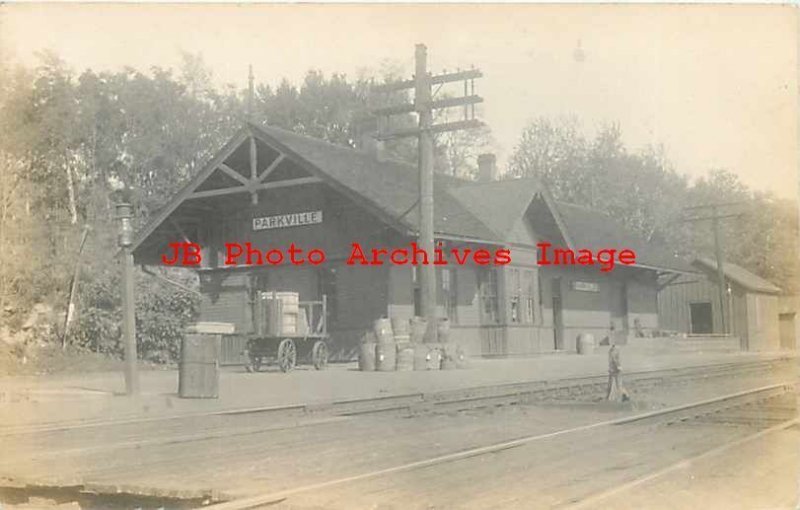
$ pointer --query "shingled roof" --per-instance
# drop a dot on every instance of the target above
(492, 212)
(594, 230)
(388, 184)
(739, 275)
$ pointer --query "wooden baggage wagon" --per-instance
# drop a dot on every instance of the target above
(285, 347)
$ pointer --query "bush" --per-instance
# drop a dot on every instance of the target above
(162, 314)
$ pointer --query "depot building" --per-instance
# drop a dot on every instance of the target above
(271, 188)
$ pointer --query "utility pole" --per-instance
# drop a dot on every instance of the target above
(124, 215)
(422, 102)
(250, 93)
(724, 309)
(423, 106)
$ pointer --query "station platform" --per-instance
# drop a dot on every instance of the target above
(42, 401)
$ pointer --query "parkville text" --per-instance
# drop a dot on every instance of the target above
(238, 254)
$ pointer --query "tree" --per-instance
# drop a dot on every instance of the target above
(650, 197)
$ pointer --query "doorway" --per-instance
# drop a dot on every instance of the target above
(701, 318)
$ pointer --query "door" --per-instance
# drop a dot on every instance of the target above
(558, 315)
(788, 333)
(619, 311)
(701, 318)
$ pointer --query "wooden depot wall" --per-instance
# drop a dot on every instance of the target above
(591, 300)
(754, 315)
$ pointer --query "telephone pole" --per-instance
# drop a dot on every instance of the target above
(715, 216)
(423, 106)
(422, 102)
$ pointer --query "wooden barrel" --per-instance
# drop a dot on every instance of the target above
(461, 358)
(418, 327)
(366, 357)
(288, 323)
(385, 357)
(198, 374)
(443, 330)
(449, 350)
(290, 301)
(434, 359)
(405, 358)
(383, 331)
(585, 343)
(427, 357)
(400, 326)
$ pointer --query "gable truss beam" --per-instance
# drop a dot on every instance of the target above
(271, 168)
(255, 188)
(252, 185)
(234, 174)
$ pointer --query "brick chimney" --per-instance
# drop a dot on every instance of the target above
(487, 168)
(366, 137)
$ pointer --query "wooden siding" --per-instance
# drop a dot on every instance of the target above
(225, 299)
(674, 300)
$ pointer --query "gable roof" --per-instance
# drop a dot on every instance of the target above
(739, 275)
(595, 230)
(491, 212)
(388, 184)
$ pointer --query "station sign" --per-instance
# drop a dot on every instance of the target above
(585, 286)
(297, 219)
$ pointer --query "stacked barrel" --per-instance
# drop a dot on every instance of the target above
(405, 349)
(278, 313)
(400, 344)
(385, 350)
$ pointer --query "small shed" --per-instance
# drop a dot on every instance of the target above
(691, 304)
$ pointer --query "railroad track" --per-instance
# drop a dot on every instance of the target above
(582, 388)
(777, 402)
(252, 422)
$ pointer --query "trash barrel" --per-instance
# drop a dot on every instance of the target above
(198, 375)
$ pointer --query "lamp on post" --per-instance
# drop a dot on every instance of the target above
(125, 239)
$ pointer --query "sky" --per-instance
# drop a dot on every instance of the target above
(716, 85)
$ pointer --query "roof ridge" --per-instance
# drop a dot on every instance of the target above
(350, 150)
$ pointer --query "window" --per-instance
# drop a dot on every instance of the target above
(528, 293)
(522, 288)
(449, 293)
(488, 296)
(515, 297)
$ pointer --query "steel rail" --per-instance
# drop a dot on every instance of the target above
(592, 500)
(435, 398)
(275, 497)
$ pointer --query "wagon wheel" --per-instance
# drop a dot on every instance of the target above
(255, 364)
(319, 354)
(287, 355)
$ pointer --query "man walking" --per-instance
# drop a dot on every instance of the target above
(614, 368)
